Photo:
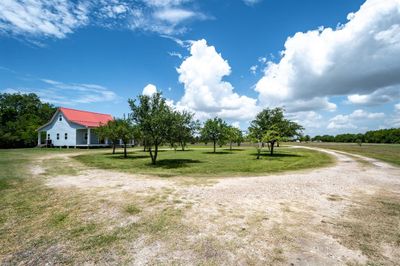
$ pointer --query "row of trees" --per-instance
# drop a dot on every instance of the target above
(374, 136)
(20, 116)
(154, 123)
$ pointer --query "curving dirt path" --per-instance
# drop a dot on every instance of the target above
(274, 219)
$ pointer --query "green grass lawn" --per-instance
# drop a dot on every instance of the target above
(203, 162)
(386, 152)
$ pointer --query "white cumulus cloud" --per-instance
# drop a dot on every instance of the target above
(360, 58)
(353, 120)
(149, 90)
(206, 92)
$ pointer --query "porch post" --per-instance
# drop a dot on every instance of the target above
(39, 138)
(88, 137)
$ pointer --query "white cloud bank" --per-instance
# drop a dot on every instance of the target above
(359, 59)
(353, 120)
(206, 93)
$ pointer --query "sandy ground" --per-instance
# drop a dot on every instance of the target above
(274, 219)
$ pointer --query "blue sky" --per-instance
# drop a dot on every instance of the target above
(331, 64)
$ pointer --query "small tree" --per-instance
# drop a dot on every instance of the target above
(234, 135)
(359, 142)
(109, 131)
(153, 117)
(214, 130)
(183, 129)
(186, 128)
(125, 132)
(270, 126)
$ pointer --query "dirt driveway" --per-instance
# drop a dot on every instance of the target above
(291, 218)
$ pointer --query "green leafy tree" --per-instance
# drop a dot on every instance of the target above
(125, 132)
(185, 128)
(153, 117)
(109, 131)
(20, 116)
(215, 131)
(270, 126)
(234, 135)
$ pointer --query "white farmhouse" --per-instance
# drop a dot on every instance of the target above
(73, 128)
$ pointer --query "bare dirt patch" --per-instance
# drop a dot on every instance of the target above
(299, 217)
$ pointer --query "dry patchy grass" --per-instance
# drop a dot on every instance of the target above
(372, 225)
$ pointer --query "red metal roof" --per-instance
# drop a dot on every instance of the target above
(85, 118)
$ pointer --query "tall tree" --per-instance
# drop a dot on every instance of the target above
(214, 130)
(270, 126)
(153, 117)
(20, 116)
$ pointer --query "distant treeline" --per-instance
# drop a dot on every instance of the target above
(391, 135)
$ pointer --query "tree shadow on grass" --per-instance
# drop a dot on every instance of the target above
(276, 155)
(174, 163)
(120, 156)
(217, 152)
(233, 149)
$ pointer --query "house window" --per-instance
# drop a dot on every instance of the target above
(85, 136)
(60, 118)
(48, 136)
(66, 136)
(58, 135)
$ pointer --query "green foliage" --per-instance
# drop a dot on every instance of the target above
(110, 132)
(20, 116)
(215, 130)
(234, 135)
(125, 131)
(183, 128)
(154, 118)
(270, 126)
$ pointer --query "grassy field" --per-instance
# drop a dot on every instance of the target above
(67, 225)
(386, 152)
(203, 162)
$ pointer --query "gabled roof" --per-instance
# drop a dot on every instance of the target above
(85, 118)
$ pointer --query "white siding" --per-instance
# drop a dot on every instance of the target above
(61, 127)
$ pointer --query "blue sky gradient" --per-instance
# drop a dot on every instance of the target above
(101, 59)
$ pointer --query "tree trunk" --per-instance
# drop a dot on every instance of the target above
(215, 143)
(272, 148)
(151, 155)
(230, 146)
(113, 147)
(258, 151)
(155, 154)
(277, 144)
(183, 146)
(125, 155)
